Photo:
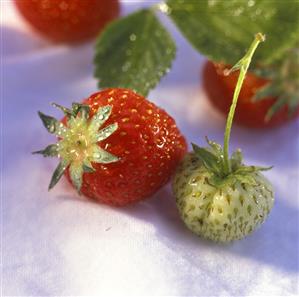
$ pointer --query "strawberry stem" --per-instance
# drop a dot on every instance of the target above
(242, 65)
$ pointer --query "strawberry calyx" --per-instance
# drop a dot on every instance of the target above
(212, 158)
(77, 146)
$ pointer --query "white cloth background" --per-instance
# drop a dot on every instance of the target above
(58, 243)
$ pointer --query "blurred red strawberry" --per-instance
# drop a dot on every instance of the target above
(250, 113)
(69, 21)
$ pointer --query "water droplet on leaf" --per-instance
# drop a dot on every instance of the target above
(133, 37)
(163, 7)
(251, 3)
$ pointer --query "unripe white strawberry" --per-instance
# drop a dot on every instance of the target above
(218, 197)
(223, 212)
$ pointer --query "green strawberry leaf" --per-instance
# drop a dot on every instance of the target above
(221, 30)
(134, 52)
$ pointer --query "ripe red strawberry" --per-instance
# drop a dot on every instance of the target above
(129, 159)
(68, 20)
(249, 112)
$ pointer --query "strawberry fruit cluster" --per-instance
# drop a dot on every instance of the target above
(118, 148)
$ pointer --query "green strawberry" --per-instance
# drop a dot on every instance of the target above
(221, 212)
(218, 197)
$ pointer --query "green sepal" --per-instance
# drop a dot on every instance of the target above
(67, 112)
(275, 108)
(60, 169)
(210, 161)
(231, 179)
(106, 132)
(101, 156)
(52, 125)
(76, 175)
(269, 90)
(283, 86)
(88, 168)
(50, 151)
(245, 179)
(244, 173)
(236, 159)
(80, 108)
(293, 104)
(76, 108)
(216, 147)
(250, 169)
(100, 117)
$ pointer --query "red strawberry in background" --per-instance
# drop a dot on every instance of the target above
(68, 21)
(115, 147)
(265, 112)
